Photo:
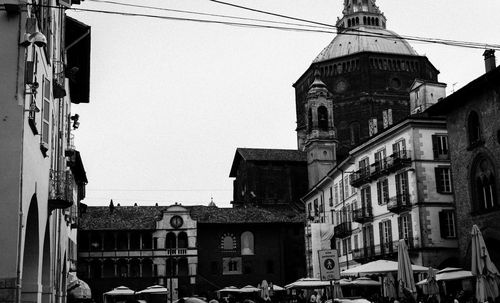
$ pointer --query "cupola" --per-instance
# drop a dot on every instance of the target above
(358, 13)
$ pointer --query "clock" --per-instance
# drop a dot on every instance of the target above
(340, 86)
(176, 221)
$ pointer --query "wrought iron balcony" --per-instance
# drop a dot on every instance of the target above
(342, 230)
(60, 190)
(399, 203)
(398, 160)
(360, 177)
(362, 215)
(363, 253)
(378, 169)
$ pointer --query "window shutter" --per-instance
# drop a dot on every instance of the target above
(368, 197)
(439, 179)
(398, 184)
(442, 224)
(435, 146)
(381, 233)
(395, 148)
(410, 228)
(379, 193)
(400, 227)
(389, 232)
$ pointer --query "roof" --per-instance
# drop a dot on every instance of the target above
(365, 39)
(264, 154)
(479, 85)
(213, 215)
(145, 217)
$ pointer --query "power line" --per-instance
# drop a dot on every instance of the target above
(155, 190)
(203, 14)
(356, 32)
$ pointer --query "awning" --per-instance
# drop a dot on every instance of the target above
(77, 40)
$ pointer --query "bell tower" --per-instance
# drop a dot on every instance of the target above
(320, 142)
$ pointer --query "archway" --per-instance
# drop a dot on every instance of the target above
(30, 270)
(47, 289)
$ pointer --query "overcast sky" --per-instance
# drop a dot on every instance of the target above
(172, 100)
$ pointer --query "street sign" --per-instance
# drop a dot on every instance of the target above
(329, 264)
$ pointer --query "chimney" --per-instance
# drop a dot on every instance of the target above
(489, 59)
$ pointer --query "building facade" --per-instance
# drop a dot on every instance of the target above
(43, 178)
(368, 69)
(191, 250)
(474, 132)
(397, 185)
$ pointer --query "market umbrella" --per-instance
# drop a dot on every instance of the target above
(190, 300)
(154, 290)
(405, 271)
(249, 288)
(390, 286)
(378, 267)
(308, 283)
(485, 271)
(275, 287)
(432, 286)
(229, 289)
(365, 281)
(120, 291)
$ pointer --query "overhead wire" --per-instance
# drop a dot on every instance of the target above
(350, 31)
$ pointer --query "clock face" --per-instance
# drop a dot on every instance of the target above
(340, 86)
(176, 221)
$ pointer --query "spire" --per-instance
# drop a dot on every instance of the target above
(358, 13)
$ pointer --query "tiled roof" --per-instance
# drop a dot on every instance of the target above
(264, 154)
(145, 217)
(212, 215)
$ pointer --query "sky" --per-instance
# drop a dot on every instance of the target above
(171, 100)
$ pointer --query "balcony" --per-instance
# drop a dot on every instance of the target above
(399, 203)
(60, 190)
(398, 160)
(343, 230)
(362, 215)
(360, 177)
(363, 254)
(378, 169)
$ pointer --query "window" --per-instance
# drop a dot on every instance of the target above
(483, 186)
(440, 146)
(309, 210)
(322, 118)
(404, 227)
(447, 224)
(399, 149)
(346, 187)
(231, 266)
(385, 228)
(46, 113)
(473, 129)
(366, 200)
(316, 207)
(364, 165)
(309, 120)
(443, 180)
(379, 159)
(402, 191)
(228, 242)
(336, 193)
(356, 242)
(247, 243)
(383, 191)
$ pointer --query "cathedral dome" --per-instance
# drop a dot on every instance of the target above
(365, 39)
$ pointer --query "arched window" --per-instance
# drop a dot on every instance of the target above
(349, 23)
(171, 267)
(364, 19)
(228, 242)
(170, 240)
(357, 20)
(135, 268)
(309, 120)
(473, 128)
(376, 22)
(247, 244)
(122, 268)
(147, 268)
(323, 118)
(108, 268)
(182, 240)
(484, 195)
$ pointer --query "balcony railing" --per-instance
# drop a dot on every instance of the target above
(362, 215)
(363, 253)
(399, 203)
(60, 190)
(398, 160)
(342, 230)
(360, 177)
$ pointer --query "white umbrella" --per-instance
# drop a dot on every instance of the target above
(229, 289)
(405, 271)
(308, 283)
(486, 273)
(379, 267)
(154, 290)
(120, 291)
(365, 281)
(275, 287)
(249, 288)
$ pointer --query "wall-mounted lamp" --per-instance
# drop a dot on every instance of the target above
(36, 38)
(75, 118)
(33, 86)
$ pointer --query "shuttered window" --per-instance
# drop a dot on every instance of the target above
(443, 180)
(440, 146)
(383, 191)
(447, 224)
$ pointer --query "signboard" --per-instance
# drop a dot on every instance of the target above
(329, 264)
